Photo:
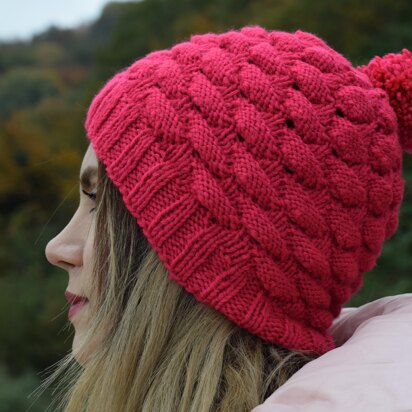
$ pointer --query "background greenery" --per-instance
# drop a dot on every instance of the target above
(45, 87)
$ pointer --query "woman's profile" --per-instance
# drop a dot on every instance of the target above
(235, 190)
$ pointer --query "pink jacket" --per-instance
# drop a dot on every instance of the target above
(369, 371)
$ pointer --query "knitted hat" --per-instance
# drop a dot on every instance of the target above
(263, 168)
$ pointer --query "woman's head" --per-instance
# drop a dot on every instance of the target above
(245, 182)
(142, 339)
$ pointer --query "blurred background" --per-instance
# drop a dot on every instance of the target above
(54, 56)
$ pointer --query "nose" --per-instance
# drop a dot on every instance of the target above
(66, 249)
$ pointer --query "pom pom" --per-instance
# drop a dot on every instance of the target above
(393, 73)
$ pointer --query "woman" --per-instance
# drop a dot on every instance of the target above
(236, 189)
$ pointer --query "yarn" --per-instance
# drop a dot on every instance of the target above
(393, 73)
(263, 168)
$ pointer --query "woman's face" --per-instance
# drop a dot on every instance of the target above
(72, 249)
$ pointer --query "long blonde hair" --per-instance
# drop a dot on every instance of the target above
(161, 349)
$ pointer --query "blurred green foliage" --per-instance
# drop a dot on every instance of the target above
(45, 88)
(15, 392)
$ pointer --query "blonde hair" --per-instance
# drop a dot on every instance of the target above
(154, 346)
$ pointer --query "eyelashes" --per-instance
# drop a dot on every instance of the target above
(92, 196)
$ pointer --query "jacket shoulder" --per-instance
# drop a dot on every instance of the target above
(368, 371)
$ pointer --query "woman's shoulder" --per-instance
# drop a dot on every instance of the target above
(368, 371)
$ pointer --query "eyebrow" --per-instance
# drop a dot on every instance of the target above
(88, 178)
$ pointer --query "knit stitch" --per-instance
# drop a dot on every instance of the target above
(262, 167)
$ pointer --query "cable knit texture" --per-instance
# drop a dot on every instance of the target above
(263, 168)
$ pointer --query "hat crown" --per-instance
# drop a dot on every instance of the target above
(263, 168)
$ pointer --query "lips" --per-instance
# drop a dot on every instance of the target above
(77, 302)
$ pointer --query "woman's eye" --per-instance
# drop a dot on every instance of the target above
(91, 195)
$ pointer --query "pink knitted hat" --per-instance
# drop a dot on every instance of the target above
(264, 169)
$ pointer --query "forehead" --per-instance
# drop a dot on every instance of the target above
(89, 159)
(88, 170)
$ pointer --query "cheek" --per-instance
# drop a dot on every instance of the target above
(88, 252)
(88, 259)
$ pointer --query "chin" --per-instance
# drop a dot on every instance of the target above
(82, 352)
(79, 353)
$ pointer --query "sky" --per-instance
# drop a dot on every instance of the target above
(20, 19)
